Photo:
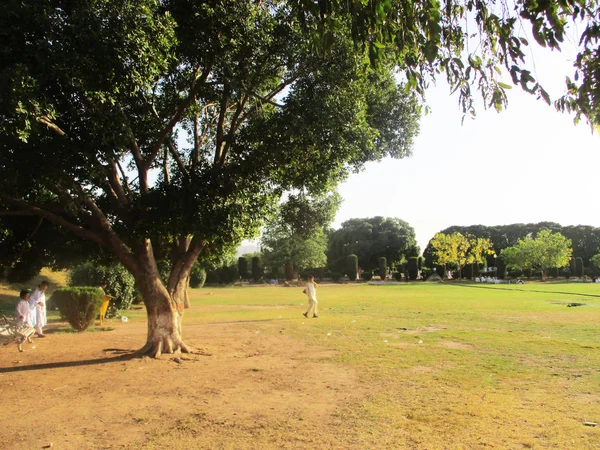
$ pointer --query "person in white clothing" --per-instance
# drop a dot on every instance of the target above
(23, 313)
(37, 308)
(311, 291)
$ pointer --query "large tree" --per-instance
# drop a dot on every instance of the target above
(97, 96)
(459, 249)
(372, 238)
(544, 251)
(163, 130)
(296, 235)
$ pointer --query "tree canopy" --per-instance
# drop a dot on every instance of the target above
(585, 239)
(547, 250)
(163, 130)
(297, 235)
(160, 130)
(372, 238)
(460, 249)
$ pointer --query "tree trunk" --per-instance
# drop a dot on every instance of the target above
(164, 318)
(543, 275)
(186, 299)
(164, 307)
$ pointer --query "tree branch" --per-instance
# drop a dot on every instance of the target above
(177, 159)
(232, 128)
(124, 176)
(34, 210)
(166, 173)
(46, 121)
(198, 82)
(220, 123)
(268, 97)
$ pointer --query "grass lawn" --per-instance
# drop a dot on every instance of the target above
(438, 366)
(483, 365)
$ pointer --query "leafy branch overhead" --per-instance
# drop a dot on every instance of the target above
(474, 43)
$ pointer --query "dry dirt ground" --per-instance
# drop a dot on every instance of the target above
(252, 388)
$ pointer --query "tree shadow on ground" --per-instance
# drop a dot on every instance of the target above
(122, 355)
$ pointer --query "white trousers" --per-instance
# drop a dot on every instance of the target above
(312, 306)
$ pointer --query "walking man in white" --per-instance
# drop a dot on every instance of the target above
(37, 307)
(311, 291)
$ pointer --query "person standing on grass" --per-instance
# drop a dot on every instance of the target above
(37, 308)
(311, 291)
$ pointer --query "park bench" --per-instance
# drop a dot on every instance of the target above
(11, 331)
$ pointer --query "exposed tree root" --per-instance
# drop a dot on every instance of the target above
(157, 348)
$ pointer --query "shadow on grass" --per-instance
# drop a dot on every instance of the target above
(229, 322)
(122, 355)
(523, 290)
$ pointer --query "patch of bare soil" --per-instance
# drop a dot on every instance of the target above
(250, 389)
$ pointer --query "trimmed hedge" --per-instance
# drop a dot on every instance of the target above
(412, 268)
(501, 268)
(382, 267)
(79, 305)
(197, 277)
(367, 275)
(119, 282)
(352, 267)
(243, 267)
(579, 267)
(256, 269)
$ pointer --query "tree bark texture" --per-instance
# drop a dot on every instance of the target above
(164, 305)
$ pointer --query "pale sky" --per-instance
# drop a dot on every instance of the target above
(528, 163)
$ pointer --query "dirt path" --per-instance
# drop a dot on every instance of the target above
(257, 389)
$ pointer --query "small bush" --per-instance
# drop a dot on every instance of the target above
(119, 282)
(566, 273)
(336, 276)
(79, 305)
(515, 273)
(367, 275)
(397, 276)
(197, 277)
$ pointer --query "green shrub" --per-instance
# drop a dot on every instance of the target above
(197, 277)
(579, 267)
(564, 273)
(79, 305)
(412, 268)
(501, 265)
(573, 267)
(367, 275)
(256, 269)
(243, 267)
(515, 273)
(336, 276)
(382, 267)
(119, 282)
(397, 276)
(352, 267)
